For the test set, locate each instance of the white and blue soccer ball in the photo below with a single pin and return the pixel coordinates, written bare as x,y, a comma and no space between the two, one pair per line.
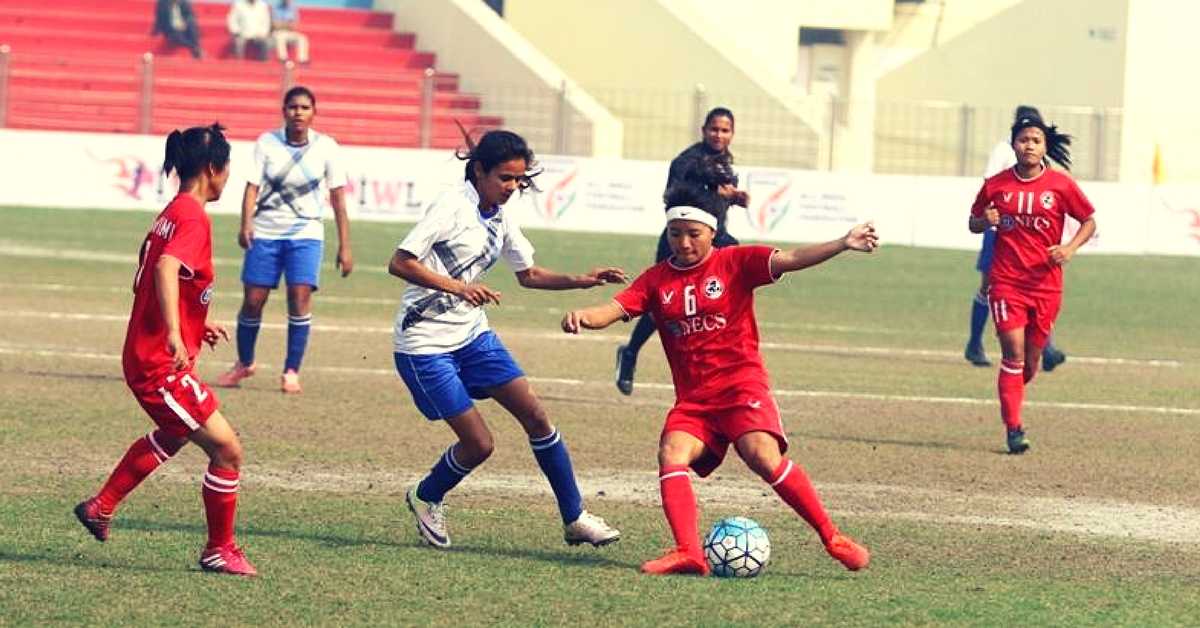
737,547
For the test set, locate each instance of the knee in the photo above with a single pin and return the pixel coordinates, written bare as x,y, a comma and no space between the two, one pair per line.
474,451
670,455
227,456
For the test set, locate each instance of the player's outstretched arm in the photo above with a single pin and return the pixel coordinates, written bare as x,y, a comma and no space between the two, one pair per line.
406,266
860,238
595,317
538,278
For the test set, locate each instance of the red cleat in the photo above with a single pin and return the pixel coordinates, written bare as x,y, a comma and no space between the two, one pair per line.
96,522
227,559
678,561
851,555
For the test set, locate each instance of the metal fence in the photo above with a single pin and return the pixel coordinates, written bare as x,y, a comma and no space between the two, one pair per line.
928,138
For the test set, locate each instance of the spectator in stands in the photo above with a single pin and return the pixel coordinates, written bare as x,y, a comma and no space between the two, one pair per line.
706,165
285,20
249,21
175,20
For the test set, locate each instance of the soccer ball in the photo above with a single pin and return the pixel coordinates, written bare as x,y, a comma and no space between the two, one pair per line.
737,547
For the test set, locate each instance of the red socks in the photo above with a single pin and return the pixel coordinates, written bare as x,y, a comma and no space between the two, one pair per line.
220,505
792,484
141,459
679,505
1011,386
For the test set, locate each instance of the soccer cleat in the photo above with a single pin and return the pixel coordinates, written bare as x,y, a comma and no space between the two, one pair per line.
1052,358
96,522
678,561
975,355
431,519
1017,443
234,376
227,559
626,364
589,528
290,382
851,555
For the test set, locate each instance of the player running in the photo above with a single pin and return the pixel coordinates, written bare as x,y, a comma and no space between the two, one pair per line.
1028,205
172,289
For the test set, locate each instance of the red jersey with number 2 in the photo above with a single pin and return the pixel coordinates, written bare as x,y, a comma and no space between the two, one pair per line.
183,231
1032,218
705,319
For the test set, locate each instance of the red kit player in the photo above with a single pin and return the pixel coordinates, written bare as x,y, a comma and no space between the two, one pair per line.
169,324
702,302
1028,205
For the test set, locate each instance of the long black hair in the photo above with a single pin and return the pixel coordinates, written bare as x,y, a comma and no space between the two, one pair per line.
189,152
495,148
1058,145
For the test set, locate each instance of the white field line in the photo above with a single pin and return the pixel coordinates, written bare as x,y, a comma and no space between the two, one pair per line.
1083,517
8,349
604,338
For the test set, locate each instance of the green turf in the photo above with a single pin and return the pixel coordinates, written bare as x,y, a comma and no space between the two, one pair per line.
869,354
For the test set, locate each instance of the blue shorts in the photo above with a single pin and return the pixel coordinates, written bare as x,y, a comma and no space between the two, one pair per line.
444,384
299,260
986,252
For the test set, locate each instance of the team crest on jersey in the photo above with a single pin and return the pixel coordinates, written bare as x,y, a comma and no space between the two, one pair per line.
713,288
1047,199
206,296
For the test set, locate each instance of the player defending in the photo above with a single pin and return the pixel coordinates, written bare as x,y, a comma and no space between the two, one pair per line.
702,302
172,290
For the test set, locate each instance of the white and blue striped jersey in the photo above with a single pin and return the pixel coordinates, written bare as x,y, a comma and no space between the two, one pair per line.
456,240
291,198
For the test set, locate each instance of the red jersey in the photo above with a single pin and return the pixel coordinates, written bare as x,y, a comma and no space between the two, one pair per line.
705,319
1032,217
183,231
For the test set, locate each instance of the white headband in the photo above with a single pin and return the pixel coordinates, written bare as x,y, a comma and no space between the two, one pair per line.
684,212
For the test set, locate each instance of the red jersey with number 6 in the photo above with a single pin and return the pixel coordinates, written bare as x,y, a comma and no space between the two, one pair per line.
705,319
1032,218
183,231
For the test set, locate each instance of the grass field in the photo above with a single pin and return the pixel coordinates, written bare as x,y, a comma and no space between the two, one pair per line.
1098,525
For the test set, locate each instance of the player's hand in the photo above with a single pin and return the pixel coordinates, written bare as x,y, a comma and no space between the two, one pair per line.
992,215
214,333
345,261
179,358
862,237
602,276
1060,255
478,294
571,321
246,237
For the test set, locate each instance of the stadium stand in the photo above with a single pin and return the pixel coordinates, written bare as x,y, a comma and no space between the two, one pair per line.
81,65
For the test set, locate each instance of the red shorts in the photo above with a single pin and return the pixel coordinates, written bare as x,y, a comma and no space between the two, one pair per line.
1035,312
180,405
721,423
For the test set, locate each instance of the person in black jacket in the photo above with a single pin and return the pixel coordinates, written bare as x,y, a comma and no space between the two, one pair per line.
708,165
175,20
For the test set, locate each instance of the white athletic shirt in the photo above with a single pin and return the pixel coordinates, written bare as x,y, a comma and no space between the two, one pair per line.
291,197
455,240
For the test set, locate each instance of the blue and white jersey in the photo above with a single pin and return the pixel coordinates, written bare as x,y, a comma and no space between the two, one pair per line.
291,197
456,240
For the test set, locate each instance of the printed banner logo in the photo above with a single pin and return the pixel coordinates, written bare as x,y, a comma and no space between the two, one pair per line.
774,188
559,198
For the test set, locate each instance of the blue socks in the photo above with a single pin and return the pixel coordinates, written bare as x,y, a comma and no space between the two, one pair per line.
552,456
443,477
979,318
297,341
247,337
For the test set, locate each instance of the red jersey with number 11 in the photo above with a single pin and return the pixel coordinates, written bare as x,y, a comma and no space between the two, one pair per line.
1032,217
705,319
183,231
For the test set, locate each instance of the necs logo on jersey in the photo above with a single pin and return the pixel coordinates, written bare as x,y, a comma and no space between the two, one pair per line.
693,320
1024,216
